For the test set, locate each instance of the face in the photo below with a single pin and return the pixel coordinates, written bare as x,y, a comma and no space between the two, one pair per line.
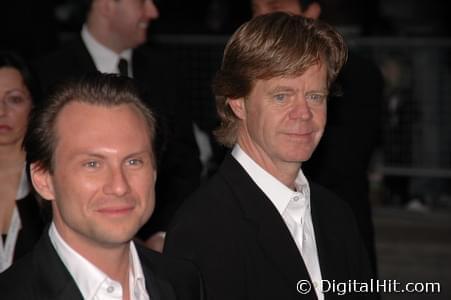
129,21
102,187
283,119
261,7
15,106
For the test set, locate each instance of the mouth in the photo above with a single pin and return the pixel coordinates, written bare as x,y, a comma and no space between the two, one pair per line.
114,211
303,137
5,128
299,134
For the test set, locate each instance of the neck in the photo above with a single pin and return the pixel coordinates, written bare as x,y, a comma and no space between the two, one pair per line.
285,172
100,254
11,157
104,37
102,258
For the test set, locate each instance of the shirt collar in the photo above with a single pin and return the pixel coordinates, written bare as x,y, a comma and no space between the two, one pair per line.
137,279
105,59
276,191
24,187
87,276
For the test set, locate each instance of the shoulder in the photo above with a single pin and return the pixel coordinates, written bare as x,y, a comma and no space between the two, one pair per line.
71,59
155,56
181,274
16,282
328,206
62,54
210,204
324,196
162,264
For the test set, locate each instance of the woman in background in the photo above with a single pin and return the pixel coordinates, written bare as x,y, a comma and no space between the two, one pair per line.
20,218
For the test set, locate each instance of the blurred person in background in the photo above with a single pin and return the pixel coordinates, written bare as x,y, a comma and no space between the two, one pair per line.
112,40
20,215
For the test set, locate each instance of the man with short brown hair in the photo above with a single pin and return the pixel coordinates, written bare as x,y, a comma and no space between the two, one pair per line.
259,229
113,40
90,150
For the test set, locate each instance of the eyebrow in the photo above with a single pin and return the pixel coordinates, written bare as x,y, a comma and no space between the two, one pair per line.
282,88
15,90
102,156
149,152
322,91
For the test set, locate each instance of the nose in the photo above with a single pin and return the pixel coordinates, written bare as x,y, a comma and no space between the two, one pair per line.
151,10
301,110
117,182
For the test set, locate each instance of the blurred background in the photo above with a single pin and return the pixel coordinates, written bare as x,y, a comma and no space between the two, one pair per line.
410,42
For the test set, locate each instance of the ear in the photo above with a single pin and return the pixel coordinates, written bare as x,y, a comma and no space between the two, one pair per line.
42,182
238,107
313,11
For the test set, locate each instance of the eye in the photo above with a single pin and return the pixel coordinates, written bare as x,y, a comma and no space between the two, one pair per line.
15,100
316,98
92,164
280,97
135,162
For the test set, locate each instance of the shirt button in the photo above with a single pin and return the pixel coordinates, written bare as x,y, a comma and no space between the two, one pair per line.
296,198
110,289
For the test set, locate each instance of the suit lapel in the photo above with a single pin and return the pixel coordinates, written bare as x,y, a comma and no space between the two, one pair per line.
82,62
156,288
270,229
326,238
54,281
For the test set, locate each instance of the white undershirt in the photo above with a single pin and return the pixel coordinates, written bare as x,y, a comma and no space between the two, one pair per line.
105,59
91,281
280,195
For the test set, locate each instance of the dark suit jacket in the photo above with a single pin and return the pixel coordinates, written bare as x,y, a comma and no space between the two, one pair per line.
42,275
243,248
32,225
178,156
353,132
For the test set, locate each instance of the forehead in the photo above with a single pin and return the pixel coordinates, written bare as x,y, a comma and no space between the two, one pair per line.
292,6
90,124
314,77
10,77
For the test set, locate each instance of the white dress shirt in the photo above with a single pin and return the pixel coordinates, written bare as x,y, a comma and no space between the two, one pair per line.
91,281
8,246
105,59
280,195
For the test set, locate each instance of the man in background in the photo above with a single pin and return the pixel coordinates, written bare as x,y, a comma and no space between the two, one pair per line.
112,41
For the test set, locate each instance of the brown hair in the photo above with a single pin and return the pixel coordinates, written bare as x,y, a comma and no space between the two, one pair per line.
96,89
268,46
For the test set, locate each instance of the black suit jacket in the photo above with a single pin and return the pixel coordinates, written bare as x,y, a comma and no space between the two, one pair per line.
353,131
243,248
178,156
32,225
42,275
